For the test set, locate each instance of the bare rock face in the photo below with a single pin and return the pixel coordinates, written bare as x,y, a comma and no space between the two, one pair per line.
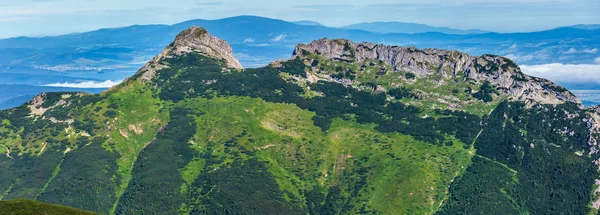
593,124
35,105
37,109
194,39
197,39
501,72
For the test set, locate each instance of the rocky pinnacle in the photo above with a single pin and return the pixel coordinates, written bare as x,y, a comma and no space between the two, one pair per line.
194,39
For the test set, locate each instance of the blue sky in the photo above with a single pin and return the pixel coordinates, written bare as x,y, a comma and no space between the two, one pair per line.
52,17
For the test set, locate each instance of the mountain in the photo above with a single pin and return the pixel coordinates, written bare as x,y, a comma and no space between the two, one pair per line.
25,207
407,28
583,26
308,22
338,128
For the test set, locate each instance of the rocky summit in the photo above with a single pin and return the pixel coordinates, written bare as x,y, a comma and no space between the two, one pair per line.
339,128
501,72
195,39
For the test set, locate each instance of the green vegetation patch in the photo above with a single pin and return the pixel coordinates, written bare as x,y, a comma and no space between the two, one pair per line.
245,187
34,173
294,67
156,182
131,118
86,179
486,187
543,163
486,92
24,176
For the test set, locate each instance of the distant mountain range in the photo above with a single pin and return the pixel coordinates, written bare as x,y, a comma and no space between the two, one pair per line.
308,22
586,26
408,28
258,40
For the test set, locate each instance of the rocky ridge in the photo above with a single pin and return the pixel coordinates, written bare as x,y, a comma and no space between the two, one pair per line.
194,39
501,72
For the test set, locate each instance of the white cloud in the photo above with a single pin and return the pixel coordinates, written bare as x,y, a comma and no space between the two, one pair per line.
86,84
249,40
520,58
541,44
571,51
591,51
279,38
597,60
587,51
263,45
543,55
565,73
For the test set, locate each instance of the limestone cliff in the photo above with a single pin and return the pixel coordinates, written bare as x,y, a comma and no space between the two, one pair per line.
194,39
501,72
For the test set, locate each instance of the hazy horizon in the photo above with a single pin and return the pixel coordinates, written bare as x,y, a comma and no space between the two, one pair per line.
292,21
41,17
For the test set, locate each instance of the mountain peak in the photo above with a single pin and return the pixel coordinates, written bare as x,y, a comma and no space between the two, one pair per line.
194,39
197,39
192,32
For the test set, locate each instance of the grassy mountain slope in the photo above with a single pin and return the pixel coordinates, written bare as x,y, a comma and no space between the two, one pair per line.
316,134
25,207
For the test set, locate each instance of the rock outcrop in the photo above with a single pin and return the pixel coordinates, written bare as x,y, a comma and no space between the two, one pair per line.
503,73
194,39
593,124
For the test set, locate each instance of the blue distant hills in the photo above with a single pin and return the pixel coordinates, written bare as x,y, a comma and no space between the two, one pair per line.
586,26
408,28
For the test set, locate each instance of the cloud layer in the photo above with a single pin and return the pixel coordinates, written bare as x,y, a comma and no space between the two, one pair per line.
565,73
86,84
